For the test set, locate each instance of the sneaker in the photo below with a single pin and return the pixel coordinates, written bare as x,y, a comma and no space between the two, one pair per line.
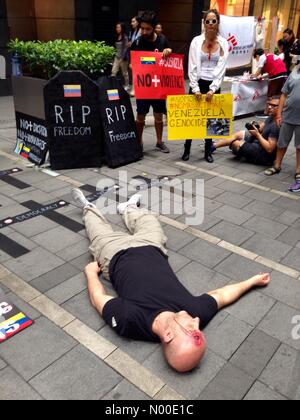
295,188
161,147
135,201
80,199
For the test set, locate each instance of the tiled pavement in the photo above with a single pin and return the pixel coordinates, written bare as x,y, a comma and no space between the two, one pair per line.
251,225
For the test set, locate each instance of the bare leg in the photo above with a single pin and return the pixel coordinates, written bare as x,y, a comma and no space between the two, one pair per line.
233,293
159,127
140,125
298,162
279,158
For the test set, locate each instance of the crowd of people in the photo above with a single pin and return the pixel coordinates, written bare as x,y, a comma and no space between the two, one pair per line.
262,144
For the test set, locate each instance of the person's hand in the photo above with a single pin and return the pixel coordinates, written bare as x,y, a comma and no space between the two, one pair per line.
209,96
278,120
198,96
93,268
166,52
254,133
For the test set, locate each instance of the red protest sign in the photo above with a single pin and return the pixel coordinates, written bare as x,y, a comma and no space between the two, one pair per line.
155,77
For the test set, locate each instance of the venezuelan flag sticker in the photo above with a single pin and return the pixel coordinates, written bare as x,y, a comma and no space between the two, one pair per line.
113,95
148,60
72,91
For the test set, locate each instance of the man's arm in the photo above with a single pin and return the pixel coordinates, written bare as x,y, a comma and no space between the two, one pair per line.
232,293
282,102
268,145
97,292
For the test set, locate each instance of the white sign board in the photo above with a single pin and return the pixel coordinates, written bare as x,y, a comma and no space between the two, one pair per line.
240,33
2,67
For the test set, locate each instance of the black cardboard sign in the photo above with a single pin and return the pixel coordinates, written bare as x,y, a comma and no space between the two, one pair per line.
32,138
73,119
119,128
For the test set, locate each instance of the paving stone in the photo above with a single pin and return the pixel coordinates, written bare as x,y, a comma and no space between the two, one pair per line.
288,218
23,306
188,385
54,278
34,226
285,204
283,373
284,289
234,187
267,247
81,262
5,201
292,259
68,289
56,239
239,268
232,215
234,200
11,211
244,308
225,338
265,226
212,192
51,184
33,265
125,391
36,195
263,209
209,222
14,388
255,353
260,392
230,384
204,253
139,351
264,196
91,379
199,279
81,307
231,233
291,236
177,239
2,364
177,261
278,324
74,251
36,348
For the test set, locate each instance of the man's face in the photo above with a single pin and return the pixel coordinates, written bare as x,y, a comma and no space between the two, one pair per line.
187,326
147,31
273,107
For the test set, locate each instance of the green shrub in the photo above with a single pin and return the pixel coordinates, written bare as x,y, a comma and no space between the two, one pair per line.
47,59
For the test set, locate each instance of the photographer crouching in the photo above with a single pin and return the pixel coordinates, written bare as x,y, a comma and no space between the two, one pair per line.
257,145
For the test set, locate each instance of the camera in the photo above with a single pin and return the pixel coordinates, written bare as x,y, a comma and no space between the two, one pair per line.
252,126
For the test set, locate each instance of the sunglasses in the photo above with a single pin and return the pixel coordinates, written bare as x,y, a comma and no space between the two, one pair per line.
211,21
196,335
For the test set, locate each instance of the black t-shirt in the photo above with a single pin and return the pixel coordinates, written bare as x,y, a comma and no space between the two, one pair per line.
143,44
147,286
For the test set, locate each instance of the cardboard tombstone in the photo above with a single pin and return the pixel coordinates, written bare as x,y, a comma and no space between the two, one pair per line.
73,119
118,123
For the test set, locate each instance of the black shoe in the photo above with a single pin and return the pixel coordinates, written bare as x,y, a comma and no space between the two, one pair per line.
209,159
186,156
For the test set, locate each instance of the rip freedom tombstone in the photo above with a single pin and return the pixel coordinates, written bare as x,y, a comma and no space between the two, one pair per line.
32,138
119,128
73,120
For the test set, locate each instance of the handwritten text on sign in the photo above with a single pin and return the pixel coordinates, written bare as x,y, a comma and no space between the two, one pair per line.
192,119
155,77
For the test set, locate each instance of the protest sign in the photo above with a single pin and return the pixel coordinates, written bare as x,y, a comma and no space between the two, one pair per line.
189,118
240,34
32,138
155,77
73,119
118,123
12,321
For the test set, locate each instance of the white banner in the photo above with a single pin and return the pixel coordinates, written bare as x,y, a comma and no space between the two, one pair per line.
240,33
249,97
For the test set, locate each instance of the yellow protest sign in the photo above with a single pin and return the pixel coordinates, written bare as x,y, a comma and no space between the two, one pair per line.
189,118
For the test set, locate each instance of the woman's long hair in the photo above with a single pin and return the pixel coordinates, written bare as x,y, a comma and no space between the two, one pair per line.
123,27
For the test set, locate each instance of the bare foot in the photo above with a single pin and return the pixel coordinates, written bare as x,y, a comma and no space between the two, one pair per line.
261,280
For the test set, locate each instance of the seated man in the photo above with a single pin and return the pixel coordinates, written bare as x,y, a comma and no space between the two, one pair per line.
258,146
152,305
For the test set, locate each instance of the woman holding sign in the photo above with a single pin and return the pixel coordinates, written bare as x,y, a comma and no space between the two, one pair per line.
208,58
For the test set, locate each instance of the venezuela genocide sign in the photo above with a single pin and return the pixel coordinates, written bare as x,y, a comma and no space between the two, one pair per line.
73,118
189,118
156,77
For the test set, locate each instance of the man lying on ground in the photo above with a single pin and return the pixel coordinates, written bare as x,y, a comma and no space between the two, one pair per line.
258,145
152,305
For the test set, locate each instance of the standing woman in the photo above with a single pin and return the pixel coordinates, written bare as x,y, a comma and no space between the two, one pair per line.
121,62
135,32
208,59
